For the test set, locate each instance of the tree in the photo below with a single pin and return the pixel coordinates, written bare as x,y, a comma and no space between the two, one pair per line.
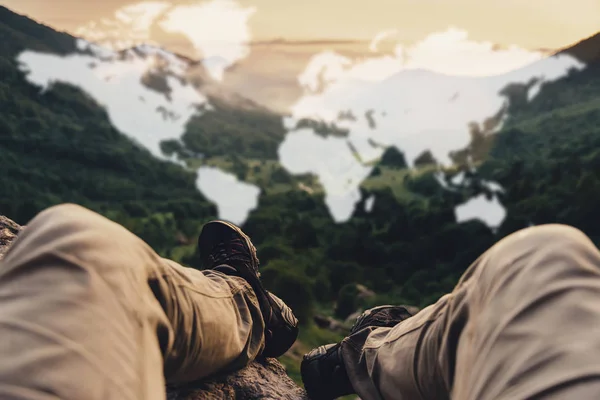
424,159
393,158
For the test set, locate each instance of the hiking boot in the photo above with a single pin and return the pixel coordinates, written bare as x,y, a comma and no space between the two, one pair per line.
323,370
224,247
324,374
382,316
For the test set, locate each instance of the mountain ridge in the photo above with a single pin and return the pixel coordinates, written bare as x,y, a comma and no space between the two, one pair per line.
61,42
586,50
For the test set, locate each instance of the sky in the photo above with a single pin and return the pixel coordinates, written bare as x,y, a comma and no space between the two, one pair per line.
532,24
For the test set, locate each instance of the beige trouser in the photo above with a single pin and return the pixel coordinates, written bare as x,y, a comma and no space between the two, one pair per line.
522,323
88,311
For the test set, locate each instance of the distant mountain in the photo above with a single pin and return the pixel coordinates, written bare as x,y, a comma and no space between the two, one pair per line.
60,146
587,50
20,33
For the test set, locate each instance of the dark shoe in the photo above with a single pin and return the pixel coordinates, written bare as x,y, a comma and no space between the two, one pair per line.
224,247
324,374
323,371
383,316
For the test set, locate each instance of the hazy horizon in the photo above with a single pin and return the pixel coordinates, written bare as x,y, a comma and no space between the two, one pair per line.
534,25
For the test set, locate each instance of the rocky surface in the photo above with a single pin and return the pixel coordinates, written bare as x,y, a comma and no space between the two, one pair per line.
8,231
262,379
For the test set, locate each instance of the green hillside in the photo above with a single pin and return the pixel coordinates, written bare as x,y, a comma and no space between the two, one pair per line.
59,146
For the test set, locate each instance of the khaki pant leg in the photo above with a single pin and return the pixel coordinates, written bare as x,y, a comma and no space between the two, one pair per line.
80,317
523,322
533,326
399,363
216,320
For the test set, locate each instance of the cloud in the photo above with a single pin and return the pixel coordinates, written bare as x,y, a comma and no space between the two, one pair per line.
130,25
450,52
453,53
218,29
380,37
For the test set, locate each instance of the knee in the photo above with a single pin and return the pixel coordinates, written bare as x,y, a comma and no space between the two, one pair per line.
534,257
555,241
64,210
557,236
73,229
68,219
61,213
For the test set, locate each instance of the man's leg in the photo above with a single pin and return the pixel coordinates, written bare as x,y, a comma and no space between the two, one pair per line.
87,307
530,320
523,322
